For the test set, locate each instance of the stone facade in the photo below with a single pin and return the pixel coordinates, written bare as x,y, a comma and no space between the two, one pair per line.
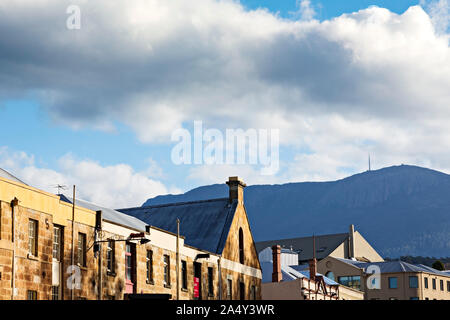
40,276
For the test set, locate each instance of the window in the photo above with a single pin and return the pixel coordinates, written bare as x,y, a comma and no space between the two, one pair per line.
448,286
330,275
210,282
393,283
150,266
351,281
414,298
413,282
166,271
82,249
183,275
230,289
253,293
33,237
434,284
441,285
111,257
241,246
31,295
55,293
426,283
130,268
57,242
241,291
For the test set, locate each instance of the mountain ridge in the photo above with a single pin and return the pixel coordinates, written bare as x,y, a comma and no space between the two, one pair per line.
409,203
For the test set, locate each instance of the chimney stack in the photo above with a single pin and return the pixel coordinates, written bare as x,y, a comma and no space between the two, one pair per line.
351,242
236,186
313,269
276,258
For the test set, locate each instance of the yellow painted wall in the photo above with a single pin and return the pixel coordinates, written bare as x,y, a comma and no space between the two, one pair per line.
39,200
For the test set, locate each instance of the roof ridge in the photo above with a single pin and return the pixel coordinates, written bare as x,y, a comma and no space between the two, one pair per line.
175,204
307,237
89,202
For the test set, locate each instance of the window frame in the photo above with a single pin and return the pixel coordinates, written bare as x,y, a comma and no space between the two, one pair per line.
32,295
149,267
82,249
184,272
416,283
166,267
111,257
241,246
230,289
425,282
58,243
389,282
210,281
33,237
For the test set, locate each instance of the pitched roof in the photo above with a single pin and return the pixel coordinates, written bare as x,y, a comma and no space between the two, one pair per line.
109,214
5,174
204,224
290,273
394,266
325,245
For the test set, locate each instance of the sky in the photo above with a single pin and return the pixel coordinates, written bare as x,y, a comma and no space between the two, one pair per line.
97,106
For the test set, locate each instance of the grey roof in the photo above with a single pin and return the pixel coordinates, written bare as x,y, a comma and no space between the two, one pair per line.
325,245
5,174
394,266
109,214
287,272
204,224
290,273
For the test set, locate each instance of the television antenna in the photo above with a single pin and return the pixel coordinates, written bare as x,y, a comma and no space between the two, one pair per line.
60,187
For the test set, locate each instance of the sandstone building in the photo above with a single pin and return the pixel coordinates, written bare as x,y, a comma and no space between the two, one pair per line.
51,249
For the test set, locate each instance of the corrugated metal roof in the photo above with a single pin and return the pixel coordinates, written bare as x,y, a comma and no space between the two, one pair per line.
394,266
325,245
204,224
109,214
290,273
5,174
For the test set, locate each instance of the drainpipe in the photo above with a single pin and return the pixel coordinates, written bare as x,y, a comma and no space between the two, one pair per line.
219,268
73,235
98,228
14,203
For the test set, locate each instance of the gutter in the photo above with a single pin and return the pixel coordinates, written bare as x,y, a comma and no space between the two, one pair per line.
14,203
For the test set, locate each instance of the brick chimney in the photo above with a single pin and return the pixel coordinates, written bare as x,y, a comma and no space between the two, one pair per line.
313,269
276,258
236,189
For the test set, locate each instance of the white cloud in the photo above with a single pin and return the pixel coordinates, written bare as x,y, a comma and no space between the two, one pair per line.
371,81
439,11
114,186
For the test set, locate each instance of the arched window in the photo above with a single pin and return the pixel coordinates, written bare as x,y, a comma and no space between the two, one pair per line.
330,275
241,246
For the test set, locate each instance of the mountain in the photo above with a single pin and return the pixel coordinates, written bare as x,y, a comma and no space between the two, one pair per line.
401,210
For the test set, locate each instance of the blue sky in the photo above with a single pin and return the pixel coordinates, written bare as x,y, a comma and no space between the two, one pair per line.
303,105
327,9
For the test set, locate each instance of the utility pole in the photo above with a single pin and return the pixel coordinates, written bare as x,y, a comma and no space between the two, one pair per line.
178,259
